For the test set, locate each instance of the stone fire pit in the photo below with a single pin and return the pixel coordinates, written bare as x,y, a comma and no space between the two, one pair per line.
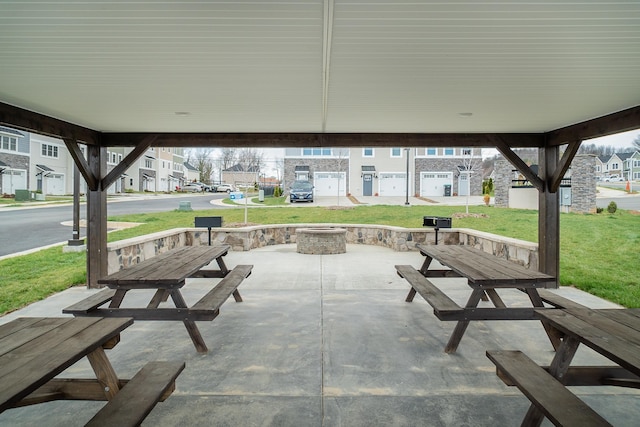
321,241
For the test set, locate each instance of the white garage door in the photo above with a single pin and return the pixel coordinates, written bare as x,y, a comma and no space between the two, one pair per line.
328,183
393,184
55,184
13,180
432,183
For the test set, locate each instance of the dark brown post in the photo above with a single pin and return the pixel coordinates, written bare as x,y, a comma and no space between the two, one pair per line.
548,215
96,217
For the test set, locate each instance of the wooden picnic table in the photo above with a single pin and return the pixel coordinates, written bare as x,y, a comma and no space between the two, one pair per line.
33,351
485,274
167,273
613,333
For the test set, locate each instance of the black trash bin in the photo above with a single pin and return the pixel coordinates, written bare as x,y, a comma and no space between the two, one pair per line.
447,190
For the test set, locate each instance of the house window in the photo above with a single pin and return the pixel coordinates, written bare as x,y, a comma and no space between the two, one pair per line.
114,158
466,151
148,164
368,152
448,151
9,143
396,152
317,151
431,151
49,150
614,166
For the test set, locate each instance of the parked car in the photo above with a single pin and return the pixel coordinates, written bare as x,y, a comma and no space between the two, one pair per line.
192,187
301,191
614,178
205,187
221,188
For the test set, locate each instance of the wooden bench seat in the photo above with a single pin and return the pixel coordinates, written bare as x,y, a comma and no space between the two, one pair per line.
152,384
443,307
557,300
222,291
90,303
550,396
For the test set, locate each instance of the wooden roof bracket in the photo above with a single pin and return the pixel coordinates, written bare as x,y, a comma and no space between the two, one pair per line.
563,166
516,161
139,149
81,163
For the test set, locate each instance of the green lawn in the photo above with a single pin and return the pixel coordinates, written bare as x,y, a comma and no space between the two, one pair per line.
599,253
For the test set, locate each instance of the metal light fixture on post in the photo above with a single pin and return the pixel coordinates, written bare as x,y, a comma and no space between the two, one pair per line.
406,202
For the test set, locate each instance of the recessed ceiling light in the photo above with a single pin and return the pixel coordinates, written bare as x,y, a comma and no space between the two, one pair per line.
465,114
182,113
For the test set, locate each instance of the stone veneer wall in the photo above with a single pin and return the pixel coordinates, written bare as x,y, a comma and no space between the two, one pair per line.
315,165
583,183
126,252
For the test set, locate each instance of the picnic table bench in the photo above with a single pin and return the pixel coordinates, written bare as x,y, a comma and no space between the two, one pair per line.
167,273
33,351
614,333
485,274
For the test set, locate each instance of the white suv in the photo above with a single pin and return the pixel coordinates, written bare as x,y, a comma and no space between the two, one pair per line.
614,178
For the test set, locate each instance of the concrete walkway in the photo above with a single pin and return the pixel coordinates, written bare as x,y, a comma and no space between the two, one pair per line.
327,340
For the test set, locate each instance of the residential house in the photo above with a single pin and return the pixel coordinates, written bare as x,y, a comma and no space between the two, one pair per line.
632,166
191,172
601,166
444,171
325,167
50,165
144,179
237,176
614,165
14,160
625,158
386,171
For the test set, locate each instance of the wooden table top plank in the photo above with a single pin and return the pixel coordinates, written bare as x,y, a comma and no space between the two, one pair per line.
616,322
16,325
612,343
482,268
629,316
168,268
31,365
26,330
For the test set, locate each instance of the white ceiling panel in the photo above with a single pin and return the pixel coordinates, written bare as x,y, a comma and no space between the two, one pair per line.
313,65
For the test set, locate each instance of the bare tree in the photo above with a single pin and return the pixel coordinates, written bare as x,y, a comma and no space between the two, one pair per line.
636,143
227,158
204,164
471,164
342,157
251,159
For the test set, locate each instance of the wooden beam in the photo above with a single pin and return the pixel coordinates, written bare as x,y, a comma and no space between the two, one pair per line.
563,166
622,121
279,140
96,218
29,121
548,216
516,161
81,163
140,148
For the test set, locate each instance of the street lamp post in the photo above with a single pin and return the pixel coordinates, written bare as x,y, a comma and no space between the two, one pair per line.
406,202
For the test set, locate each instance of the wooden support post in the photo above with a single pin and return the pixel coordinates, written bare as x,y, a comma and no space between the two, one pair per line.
96,217
548,215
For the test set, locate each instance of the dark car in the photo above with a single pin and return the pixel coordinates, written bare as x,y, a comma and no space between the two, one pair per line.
301,191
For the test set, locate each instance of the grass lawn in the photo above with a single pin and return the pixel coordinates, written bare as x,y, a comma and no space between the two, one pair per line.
599,253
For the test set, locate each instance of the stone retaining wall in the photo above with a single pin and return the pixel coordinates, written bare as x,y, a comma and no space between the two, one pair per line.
126,252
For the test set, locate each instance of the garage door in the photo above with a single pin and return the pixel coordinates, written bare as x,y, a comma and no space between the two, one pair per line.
328,183
13,180
432,183
393,184
54,184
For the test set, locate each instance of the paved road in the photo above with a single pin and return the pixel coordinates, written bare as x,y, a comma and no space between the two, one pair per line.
27,228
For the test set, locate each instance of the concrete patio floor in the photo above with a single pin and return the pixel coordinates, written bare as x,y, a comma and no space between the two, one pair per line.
327,340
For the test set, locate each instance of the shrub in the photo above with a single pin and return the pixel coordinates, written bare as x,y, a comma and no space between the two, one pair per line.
277,192
612,208
599,210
